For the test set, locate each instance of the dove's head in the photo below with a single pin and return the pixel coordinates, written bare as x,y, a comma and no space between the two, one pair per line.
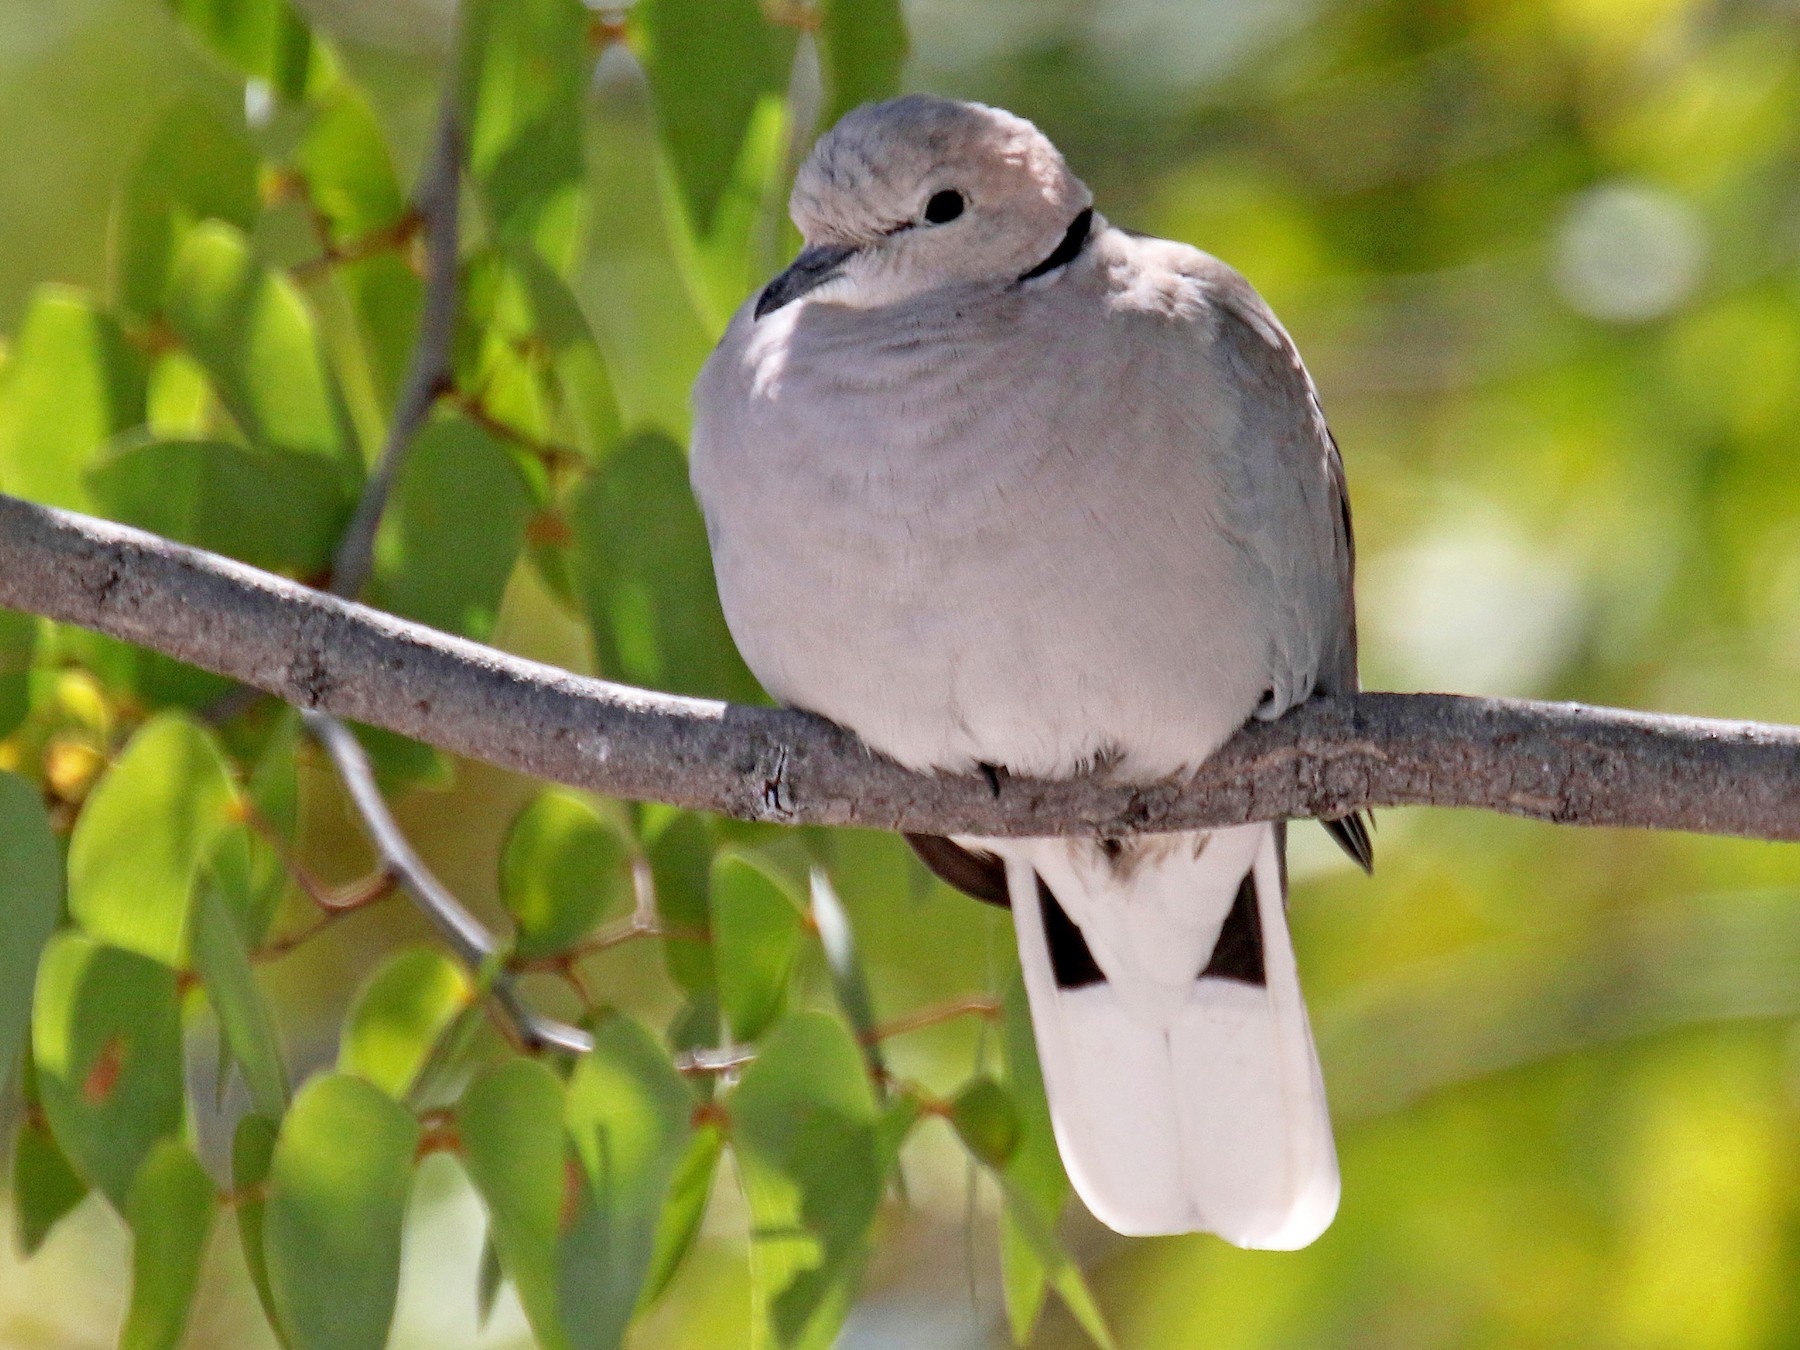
906,196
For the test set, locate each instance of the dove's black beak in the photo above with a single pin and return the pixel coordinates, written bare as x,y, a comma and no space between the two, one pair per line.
813,268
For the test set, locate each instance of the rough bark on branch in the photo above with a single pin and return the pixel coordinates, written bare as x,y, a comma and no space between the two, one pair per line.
1557,762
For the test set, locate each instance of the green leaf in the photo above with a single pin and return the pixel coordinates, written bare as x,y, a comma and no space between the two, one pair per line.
452,531
525,75
629,1116
862,47
71,383
44,1187
583,385
680,859
683,1211
248,867
832,923
718,73
805,1134
336,1206
106,1036
18,645
644,574
273,509
171,1211
252,1152
757,933
526,344
198,164
31,890
985,1117
1034,1175
513,1146
723,263
171,795
347,170
1060,1269
565,866
245,1023
264,39
251,329
489,1280
398,1016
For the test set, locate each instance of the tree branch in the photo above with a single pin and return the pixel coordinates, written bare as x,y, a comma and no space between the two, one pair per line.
428,373
1556,762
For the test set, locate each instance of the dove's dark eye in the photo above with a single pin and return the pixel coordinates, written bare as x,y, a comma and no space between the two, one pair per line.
943,207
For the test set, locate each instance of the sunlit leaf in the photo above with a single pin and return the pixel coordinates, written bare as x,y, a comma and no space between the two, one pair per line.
198,164
527,68
398,1016
644,574
31,890
251,330
344,164
264,39
513,1145
804,1132
106,1036
583,384
527,346
71,383
452,531
683,1211
171,1211
757,933
723,263
862,46
274,509
718,71
245,1023
336,1205
565,866
629,1116
170,793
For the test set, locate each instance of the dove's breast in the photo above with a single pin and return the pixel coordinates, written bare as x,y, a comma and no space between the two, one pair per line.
986,529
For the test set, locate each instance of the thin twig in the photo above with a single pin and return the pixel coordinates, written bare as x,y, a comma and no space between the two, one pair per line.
1550,761
473,944
986,1008
429,373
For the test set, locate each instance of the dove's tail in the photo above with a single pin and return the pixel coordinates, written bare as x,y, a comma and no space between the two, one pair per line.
1182,1102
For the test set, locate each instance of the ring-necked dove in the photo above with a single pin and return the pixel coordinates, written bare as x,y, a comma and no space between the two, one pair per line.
1000,486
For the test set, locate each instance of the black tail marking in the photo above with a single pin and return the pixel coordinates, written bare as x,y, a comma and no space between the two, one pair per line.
1351,833
1238,954
1070,960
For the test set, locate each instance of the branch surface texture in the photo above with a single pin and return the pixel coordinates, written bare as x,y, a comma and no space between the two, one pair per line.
1557,762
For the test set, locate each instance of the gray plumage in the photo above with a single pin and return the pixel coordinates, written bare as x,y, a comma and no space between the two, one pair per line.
985,513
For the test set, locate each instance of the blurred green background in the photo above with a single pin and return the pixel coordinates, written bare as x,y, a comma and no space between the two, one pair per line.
1543,258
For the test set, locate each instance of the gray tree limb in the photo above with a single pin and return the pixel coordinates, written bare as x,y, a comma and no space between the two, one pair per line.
428,372
1557,762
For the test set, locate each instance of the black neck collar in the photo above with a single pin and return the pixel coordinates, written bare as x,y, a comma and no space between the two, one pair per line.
1073,241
